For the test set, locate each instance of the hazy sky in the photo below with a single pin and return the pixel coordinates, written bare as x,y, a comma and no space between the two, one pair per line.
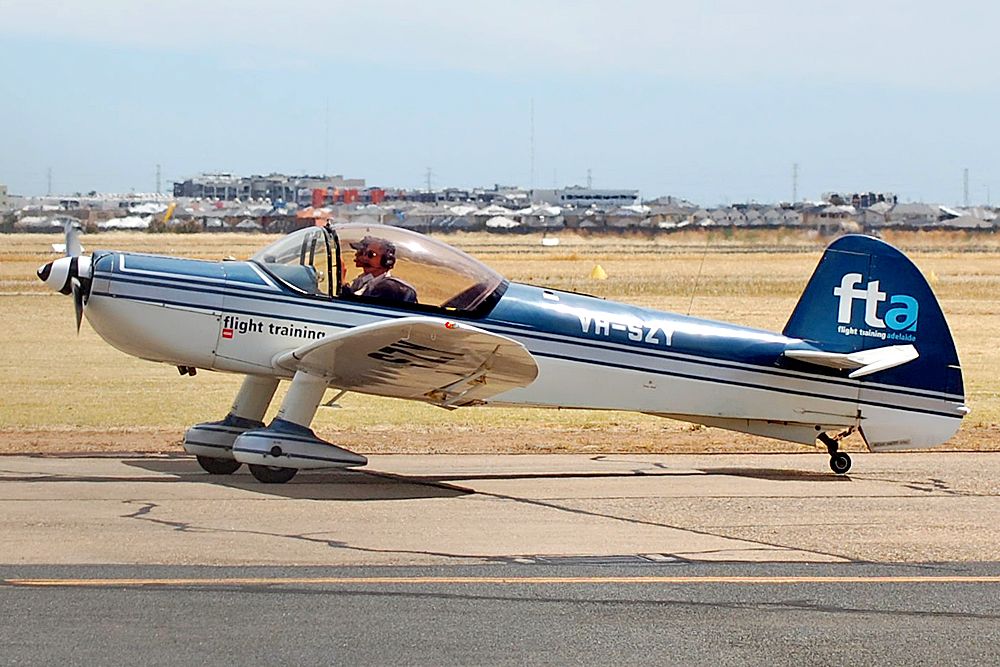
712,101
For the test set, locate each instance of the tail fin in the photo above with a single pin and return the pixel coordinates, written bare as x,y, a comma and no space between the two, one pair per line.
866,294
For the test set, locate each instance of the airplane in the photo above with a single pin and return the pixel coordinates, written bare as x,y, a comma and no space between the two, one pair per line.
866,349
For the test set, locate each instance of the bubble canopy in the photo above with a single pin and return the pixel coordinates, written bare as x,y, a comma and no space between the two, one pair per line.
442,277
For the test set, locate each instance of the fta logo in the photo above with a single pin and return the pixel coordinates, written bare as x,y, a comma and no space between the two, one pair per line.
901,315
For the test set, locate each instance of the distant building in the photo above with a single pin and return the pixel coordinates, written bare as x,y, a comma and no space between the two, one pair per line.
831,218
584,197
859,199
915,215
432,196
227,187
508,196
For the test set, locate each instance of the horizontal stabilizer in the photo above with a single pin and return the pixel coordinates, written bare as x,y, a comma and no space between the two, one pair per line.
865,362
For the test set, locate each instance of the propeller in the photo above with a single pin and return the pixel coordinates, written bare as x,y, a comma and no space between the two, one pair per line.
70,274
73,246
73,249
77,301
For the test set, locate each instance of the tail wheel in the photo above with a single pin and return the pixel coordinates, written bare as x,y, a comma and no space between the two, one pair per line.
215,466
840,463
271,474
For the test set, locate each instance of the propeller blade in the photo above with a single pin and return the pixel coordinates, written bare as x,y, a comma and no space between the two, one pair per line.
77,301
72,232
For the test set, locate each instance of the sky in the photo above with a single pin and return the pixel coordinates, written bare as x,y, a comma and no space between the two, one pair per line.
711,101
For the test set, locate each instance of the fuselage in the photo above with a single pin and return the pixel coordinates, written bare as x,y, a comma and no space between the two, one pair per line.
591,353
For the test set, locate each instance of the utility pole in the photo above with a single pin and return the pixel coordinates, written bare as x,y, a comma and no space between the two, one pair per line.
428,180
590,180
157,179
531,178
48,190
965,187
795,182
326,138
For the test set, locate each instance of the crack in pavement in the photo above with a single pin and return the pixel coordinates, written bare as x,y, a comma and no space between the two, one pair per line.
631,520
145,511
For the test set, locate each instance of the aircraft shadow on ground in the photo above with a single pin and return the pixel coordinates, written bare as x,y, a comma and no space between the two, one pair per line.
769,474
368,484
772,475
336,484
778,475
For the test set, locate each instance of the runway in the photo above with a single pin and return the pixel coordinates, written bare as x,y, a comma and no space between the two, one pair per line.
681,613
715,559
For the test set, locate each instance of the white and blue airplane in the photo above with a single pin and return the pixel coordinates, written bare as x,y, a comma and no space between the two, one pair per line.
866,349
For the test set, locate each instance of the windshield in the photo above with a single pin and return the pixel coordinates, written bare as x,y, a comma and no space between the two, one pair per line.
301,259
380,263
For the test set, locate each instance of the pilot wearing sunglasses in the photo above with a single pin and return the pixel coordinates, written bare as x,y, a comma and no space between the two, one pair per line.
376,257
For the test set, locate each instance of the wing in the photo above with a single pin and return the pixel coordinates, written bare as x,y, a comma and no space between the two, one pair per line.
424,358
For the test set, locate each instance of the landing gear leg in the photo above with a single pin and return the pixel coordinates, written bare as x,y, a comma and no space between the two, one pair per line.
840,462
302,399
254,398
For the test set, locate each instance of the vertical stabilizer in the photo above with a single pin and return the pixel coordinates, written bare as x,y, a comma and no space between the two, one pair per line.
866,294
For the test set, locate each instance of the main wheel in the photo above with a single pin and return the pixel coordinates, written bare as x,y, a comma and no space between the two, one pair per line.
840,463
215,466
271,474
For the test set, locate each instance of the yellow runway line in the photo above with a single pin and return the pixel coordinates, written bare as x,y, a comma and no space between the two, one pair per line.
466,581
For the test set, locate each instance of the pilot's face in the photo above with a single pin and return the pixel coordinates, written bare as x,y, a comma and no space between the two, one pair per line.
369,257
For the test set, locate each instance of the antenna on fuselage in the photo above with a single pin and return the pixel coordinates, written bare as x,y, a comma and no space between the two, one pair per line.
697,278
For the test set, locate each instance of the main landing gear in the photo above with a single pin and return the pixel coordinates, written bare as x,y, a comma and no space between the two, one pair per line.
276,452
212,442
840,462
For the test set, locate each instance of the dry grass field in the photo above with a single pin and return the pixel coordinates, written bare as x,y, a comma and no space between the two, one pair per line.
67,393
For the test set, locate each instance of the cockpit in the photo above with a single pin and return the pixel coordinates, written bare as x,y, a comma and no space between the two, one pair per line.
382,264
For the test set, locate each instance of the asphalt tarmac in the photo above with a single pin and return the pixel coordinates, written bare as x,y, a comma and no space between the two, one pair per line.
717,559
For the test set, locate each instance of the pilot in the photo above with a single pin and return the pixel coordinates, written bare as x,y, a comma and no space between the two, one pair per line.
376,257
